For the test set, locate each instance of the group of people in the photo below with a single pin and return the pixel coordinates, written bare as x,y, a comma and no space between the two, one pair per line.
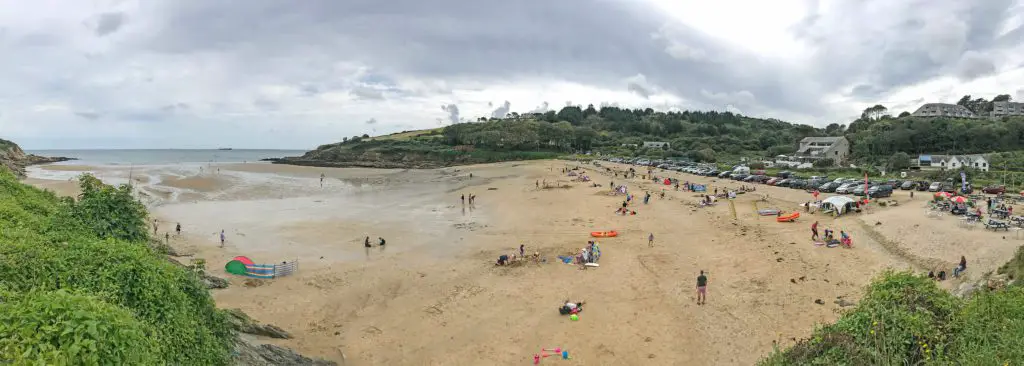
829,237
506,259
380,242
472,199
589,254
957,271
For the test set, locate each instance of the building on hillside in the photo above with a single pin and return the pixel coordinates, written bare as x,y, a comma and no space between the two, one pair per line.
952,162
943,110
657,144
817,148
1000,109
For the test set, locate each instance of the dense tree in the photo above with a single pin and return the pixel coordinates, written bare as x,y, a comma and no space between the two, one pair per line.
904,114
899,161
1001,98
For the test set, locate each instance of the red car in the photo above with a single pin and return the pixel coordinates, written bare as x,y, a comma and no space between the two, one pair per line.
994,189
772,181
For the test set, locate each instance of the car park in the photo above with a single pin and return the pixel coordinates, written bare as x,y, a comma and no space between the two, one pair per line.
883,190
908,185
935,187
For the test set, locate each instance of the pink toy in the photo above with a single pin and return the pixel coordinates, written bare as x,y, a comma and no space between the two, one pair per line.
536,359
555,350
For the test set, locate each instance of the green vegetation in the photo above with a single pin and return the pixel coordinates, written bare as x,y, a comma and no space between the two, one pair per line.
79,285
905,319
704,136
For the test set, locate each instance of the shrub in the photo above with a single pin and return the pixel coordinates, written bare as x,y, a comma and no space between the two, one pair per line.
63,328
97,247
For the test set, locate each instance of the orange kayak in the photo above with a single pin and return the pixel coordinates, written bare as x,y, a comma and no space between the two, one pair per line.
788,218
604,234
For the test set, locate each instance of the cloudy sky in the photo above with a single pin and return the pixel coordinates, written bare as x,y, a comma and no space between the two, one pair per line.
295,74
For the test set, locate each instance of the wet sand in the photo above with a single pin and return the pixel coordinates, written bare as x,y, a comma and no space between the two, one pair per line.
433,295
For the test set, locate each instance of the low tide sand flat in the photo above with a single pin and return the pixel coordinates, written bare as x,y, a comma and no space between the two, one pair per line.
434,295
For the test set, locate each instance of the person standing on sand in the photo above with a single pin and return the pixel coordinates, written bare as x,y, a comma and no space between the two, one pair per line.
366,242
322,176
814,231
381,242
522,250
463,197
177,229
650,240
156,226
222,238
167,238
702,288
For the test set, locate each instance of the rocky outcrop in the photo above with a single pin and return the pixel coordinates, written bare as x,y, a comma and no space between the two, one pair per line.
244,324
15,159
249,353
211,282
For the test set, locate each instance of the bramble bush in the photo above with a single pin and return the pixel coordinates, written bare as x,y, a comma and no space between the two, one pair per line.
92,255
905,319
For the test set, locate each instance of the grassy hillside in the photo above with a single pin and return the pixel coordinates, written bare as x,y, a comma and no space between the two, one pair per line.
905,319
79,285
706,136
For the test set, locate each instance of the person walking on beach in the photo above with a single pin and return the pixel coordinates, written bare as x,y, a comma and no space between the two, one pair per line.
814,231
522,250
463,197
177,229
322,176
156,226
366,243
167,238
702,288
222,238
650,240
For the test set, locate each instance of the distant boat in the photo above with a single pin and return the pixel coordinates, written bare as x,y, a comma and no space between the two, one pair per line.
224,149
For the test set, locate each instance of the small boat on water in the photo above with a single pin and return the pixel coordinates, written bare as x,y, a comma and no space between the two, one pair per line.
224,149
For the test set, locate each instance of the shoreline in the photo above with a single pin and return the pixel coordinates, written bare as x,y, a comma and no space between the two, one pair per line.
423,298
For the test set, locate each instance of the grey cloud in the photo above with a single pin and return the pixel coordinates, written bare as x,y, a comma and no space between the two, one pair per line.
88,115
502,110
175,107
453,113
309,90
108,23
371,121
365,92
638,85
265,104
904,44
974,65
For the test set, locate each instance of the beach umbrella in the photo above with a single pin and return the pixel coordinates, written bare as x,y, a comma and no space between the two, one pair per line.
959,199
943,194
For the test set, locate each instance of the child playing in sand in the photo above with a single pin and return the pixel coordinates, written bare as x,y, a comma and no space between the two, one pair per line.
650,240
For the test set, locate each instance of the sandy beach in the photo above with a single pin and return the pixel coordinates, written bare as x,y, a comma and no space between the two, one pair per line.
433,295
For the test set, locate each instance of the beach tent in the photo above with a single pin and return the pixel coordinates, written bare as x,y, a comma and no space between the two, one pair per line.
235,267
838,202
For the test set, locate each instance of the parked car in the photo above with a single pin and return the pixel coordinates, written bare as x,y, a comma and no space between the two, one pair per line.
725,174
785,174
783,182
995,189
750,178
844,188
740,176
859,189
948,187
883,190
935,187
828,187
923,185
772,181
798,184
908,185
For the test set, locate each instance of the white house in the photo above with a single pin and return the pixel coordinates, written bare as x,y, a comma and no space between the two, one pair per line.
816,148
953,162
657,144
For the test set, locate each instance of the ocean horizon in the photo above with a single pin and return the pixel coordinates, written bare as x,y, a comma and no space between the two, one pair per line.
163,156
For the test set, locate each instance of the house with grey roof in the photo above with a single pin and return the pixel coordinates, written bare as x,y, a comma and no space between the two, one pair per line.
1007,108
817,148
952,162
943,110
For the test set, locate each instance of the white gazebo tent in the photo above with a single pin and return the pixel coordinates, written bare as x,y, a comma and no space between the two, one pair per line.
837,203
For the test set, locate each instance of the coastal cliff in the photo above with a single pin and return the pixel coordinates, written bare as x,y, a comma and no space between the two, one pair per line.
15,159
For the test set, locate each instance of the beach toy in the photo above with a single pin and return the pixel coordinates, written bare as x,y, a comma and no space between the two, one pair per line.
768,212
604,234
574,317
565,355
536,359
555,350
